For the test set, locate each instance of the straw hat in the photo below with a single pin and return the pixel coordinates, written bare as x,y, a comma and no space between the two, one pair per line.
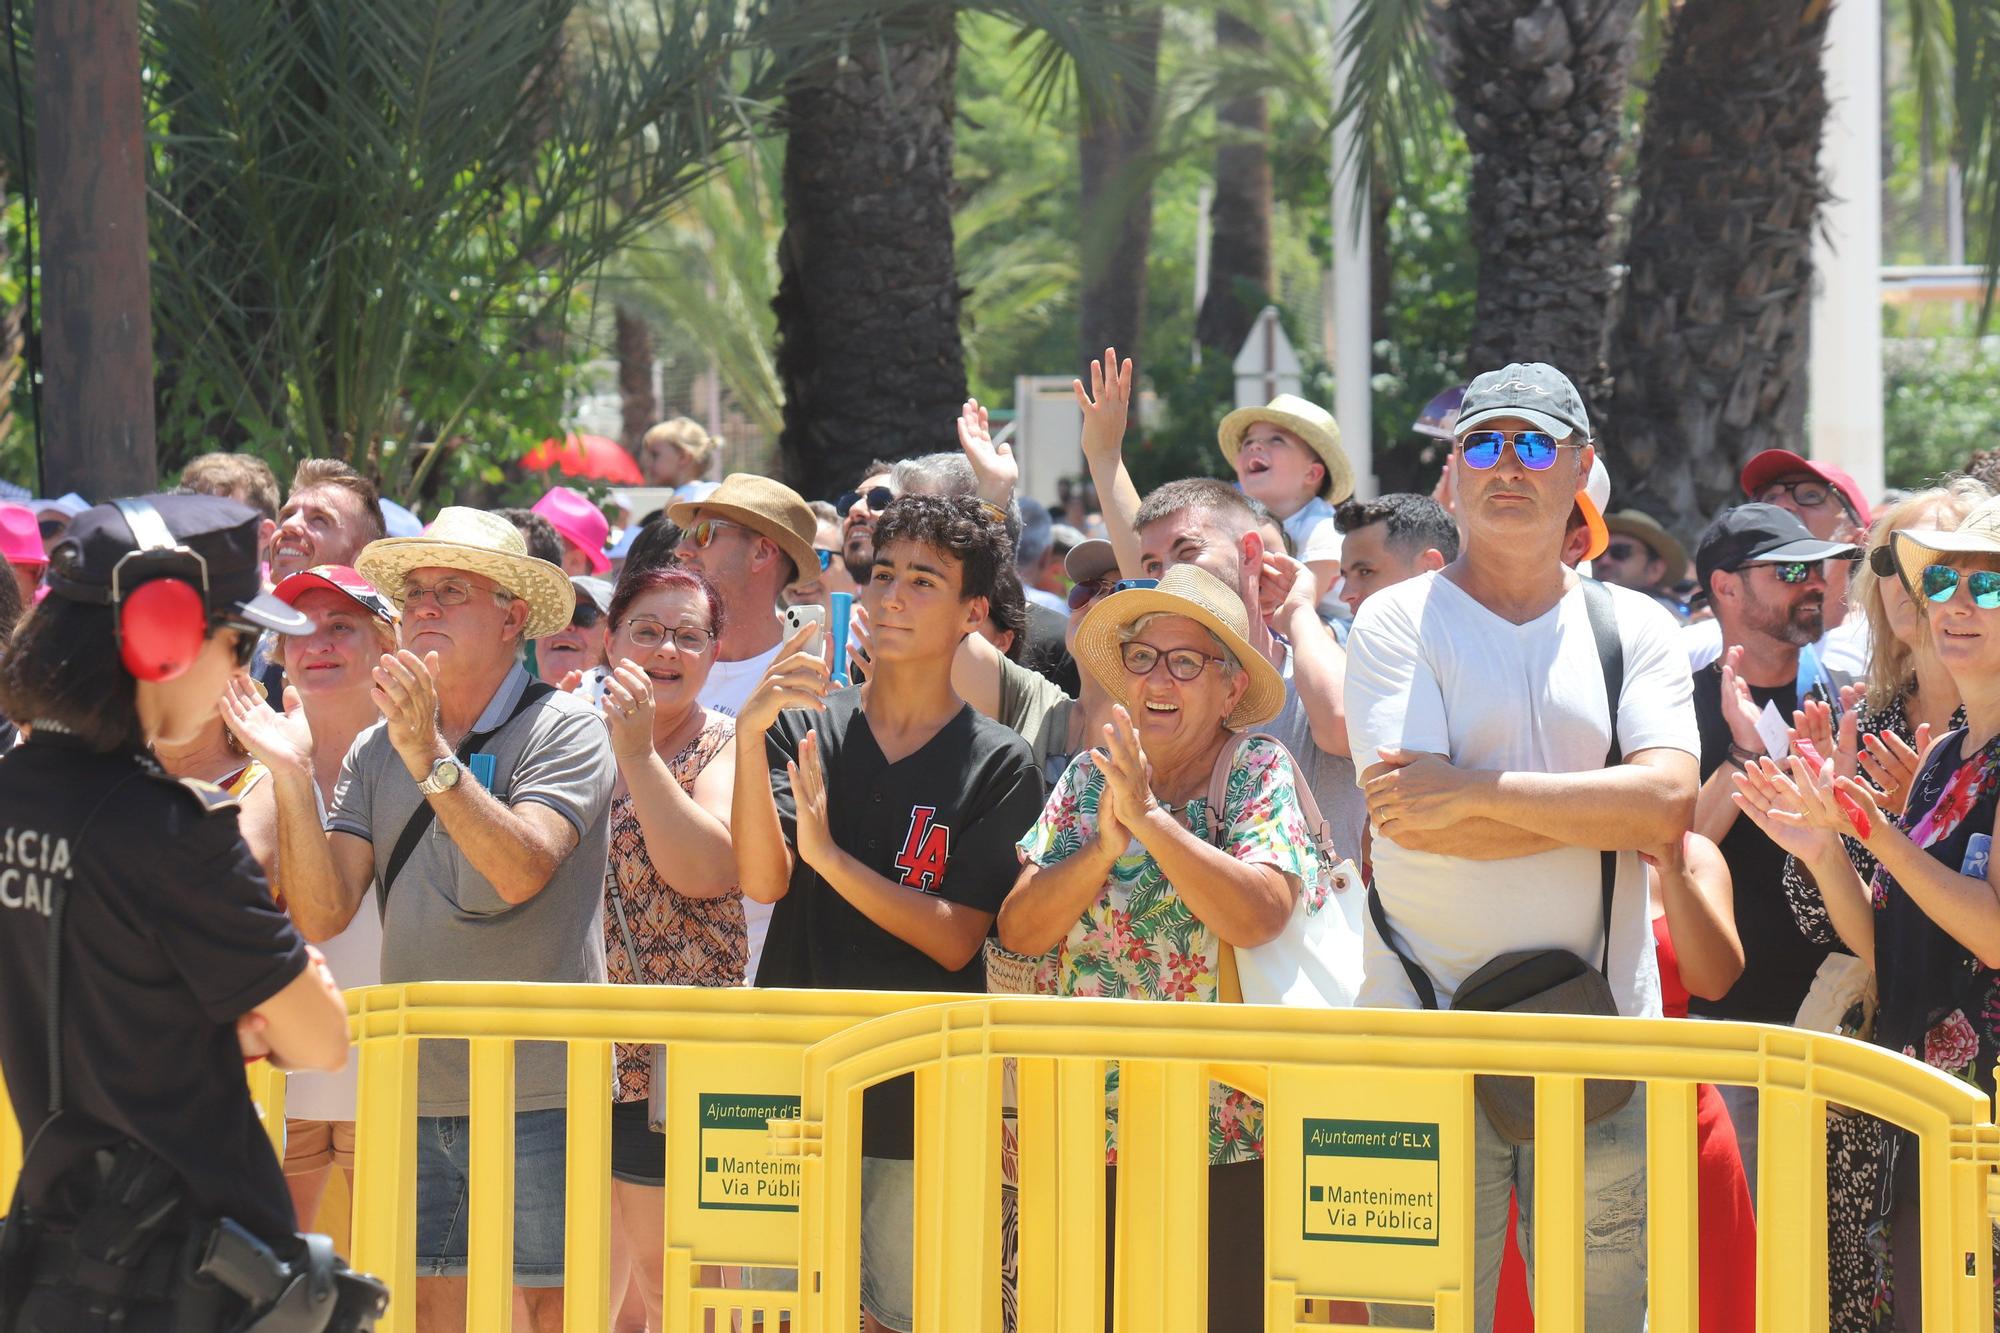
766,507
1310,422
1977,534
478,543
1184,590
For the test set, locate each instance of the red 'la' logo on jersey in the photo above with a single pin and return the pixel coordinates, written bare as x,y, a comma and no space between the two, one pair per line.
926,848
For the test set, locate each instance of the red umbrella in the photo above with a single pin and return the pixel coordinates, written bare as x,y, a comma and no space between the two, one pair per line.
592,456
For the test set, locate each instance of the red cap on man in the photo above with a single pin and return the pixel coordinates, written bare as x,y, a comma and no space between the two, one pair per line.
1767,467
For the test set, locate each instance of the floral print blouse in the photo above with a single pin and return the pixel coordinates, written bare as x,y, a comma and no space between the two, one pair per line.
1939,1003
1139,940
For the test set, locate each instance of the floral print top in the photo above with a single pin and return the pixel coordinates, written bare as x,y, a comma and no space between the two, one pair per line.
681,941
1939,1003
1140,941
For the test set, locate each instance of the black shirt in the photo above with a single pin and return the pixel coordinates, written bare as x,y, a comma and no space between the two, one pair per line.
1778,960
169,936
943,819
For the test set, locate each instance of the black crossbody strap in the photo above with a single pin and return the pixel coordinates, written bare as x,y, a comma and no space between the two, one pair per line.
1426,992
1611,660
421,818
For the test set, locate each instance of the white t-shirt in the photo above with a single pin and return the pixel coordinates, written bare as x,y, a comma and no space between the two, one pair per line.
727,688
1431,670
1316,537
1845,648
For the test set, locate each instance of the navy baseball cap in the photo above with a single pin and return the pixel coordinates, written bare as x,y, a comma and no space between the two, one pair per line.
209,540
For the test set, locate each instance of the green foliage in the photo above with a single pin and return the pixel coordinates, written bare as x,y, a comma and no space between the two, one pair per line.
1938,405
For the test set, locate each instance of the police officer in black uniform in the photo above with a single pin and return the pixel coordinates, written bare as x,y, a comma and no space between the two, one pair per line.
142,959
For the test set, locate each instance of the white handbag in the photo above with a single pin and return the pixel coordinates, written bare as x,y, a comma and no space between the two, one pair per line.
1315,961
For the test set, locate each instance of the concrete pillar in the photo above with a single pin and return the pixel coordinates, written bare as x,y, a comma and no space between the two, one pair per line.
1844,419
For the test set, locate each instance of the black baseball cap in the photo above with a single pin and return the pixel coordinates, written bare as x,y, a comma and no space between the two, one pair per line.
1760,534
209,540
1532,390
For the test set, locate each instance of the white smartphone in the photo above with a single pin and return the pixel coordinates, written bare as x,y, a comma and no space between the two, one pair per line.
797,617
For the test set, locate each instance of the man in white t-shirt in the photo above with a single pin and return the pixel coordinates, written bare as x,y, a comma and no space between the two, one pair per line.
751,537
1477,711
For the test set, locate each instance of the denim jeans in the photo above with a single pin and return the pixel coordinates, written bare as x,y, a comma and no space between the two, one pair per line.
1614,1227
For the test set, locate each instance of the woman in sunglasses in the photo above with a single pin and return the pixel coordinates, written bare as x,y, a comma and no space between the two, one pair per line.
1909,698
1928,920
1138,885
672,913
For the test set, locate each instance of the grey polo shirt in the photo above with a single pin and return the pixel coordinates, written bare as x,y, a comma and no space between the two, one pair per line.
442,920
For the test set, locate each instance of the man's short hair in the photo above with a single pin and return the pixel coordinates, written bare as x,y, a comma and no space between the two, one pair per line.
968,530
1416,523
934,474
242,477
544,542
1206,494
875,469
824,511
332,472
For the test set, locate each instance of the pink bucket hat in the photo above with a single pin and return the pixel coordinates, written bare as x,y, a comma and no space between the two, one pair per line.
580,522
21,536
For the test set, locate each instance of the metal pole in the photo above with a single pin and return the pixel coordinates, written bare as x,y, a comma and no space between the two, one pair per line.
1353,313
1846,389
97,327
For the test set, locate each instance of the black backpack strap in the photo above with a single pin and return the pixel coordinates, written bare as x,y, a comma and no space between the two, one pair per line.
1610,660
422,817
1426,992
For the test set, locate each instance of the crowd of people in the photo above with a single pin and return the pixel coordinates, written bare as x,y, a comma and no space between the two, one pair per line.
1156,751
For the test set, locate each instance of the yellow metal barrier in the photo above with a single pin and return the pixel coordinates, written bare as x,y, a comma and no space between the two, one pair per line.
764,1092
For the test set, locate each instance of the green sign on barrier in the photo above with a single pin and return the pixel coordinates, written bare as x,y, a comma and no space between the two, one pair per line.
1372,1181
738,1170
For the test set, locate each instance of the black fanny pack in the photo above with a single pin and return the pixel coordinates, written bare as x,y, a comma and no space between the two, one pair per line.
1542,981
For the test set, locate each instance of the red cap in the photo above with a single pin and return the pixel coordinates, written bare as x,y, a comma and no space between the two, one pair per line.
342,580
1767,467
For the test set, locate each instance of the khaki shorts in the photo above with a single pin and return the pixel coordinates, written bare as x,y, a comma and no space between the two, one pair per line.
314,1145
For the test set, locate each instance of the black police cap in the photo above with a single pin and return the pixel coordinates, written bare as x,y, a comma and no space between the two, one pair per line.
205,539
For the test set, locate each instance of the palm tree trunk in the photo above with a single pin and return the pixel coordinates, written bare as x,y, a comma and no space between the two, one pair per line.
1239,247
1116,202
868,300
639,407
1538,88
1709,351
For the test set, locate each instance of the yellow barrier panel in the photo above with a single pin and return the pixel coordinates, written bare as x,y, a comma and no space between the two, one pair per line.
1369,1168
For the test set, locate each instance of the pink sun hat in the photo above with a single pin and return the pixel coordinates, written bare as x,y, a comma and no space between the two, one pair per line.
581,523
21,536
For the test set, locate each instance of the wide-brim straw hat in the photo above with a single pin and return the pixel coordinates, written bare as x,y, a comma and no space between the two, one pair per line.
1310,422
480,543
1978,533
768,508
1184,590
1643,526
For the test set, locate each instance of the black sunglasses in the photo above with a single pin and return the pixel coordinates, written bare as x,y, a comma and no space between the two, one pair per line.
878,498
1882,560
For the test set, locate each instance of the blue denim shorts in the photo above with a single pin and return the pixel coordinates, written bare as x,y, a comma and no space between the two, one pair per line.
888,1239
444,1149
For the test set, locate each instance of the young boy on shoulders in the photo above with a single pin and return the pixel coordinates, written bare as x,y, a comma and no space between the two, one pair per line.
884,826
1288,456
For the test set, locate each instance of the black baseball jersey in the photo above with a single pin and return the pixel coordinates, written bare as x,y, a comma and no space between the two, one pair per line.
169,936
943,820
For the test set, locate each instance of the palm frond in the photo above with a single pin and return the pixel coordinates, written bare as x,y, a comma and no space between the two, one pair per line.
1387,89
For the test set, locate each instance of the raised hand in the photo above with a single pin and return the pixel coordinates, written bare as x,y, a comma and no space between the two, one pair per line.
994,466
814,833
1813,723
1284,585
406,695
628,710
1128,781
1106,405
1777,807
279,743
797,678
1891,763
1738,709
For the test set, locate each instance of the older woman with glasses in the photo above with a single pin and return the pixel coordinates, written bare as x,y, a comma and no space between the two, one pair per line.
1928,920
672,914
1139,885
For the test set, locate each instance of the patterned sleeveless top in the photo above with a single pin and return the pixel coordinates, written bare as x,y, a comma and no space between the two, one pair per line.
681,941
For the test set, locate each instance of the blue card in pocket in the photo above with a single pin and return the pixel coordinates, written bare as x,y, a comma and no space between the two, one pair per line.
482,766
1978,850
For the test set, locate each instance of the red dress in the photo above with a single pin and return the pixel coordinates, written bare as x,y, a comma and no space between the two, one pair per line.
1728,1241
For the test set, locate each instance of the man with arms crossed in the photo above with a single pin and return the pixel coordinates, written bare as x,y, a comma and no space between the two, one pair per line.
1477,710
